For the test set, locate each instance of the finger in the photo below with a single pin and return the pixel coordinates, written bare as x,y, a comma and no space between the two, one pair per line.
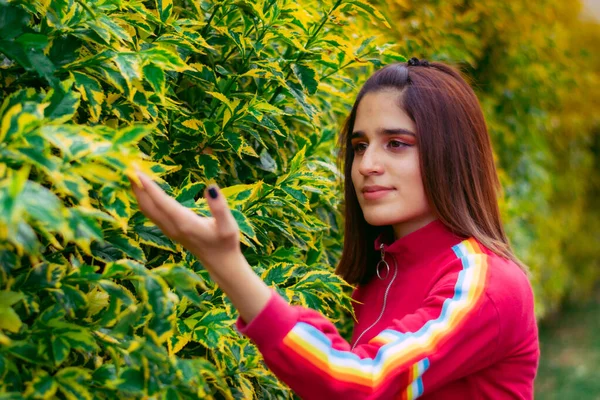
180,221
226,223
163,202
149,207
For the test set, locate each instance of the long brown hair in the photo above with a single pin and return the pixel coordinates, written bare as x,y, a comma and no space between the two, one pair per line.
457,165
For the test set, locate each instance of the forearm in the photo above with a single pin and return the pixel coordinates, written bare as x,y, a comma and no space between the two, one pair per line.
248,293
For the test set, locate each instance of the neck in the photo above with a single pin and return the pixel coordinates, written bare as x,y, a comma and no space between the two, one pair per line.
405,228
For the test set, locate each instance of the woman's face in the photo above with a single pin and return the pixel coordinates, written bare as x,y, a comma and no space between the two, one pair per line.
385,171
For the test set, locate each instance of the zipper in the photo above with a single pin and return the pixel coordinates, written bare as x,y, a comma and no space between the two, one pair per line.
382,248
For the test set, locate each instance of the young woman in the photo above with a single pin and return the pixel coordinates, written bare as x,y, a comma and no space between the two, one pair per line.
445,308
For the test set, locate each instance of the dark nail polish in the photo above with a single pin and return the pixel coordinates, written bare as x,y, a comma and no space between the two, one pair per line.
212,192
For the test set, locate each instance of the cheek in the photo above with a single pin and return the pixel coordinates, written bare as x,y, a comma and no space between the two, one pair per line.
409,179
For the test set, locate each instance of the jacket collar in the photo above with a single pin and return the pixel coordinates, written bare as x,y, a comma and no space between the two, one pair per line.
420,246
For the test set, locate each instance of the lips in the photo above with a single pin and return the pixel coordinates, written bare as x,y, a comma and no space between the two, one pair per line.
376,192
375,188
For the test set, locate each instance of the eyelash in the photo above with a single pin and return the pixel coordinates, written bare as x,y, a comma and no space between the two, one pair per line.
356,149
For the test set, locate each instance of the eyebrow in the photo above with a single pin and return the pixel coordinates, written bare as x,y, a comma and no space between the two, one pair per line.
394,131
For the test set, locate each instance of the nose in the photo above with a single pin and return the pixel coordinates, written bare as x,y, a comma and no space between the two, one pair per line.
370,162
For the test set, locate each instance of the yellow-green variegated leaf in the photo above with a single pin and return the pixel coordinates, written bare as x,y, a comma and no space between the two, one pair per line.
72,383
221,97
91,92
278,274
43,386
240,194
164,8
178,342
151,235
130,135
207,328
9,320
97,301
183,280
164,59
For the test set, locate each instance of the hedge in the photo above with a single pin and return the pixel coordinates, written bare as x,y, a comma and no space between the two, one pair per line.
95,302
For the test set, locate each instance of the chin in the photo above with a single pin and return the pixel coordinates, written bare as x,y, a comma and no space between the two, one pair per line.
381,220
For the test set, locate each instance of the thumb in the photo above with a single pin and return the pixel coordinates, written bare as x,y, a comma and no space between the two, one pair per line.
217,203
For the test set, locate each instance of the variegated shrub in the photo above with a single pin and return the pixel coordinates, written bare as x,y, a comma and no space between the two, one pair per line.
94,301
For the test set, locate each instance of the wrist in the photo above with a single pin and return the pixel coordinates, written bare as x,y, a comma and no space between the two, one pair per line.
248,293
227,267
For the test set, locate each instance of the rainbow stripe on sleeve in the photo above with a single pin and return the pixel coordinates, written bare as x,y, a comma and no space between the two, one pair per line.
400,352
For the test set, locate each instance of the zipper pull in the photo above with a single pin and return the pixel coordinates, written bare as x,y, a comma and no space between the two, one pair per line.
387,266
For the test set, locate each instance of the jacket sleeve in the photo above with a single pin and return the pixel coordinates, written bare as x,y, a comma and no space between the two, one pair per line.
453,333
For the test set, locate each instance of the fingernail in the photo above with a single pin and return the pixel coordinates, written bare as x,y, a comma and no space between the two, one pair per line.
212,192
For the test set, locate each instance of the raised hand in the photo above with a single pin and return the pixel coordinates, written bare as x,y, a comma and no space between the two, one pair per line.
211,239
214,240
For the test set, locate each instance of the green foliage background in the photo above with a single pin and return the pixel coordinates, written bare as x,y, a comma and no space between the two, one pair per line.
96,303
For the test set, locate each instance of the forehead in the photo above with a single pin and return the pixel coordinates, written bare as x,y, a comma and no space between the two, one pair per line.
381,110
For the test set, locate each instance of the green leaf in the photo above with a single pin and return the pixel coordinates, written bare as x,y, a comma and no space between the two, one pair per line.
164,59
33,41
371,10
297,195
62,105
187,194
13,20
244,224
239,194
130,135
115,29
9,319
80,339
43,206
156,294
25,238
73,298
279,273
207,328
91,91
151,235
8,298
27,352
101,30
209,164
126,245
129,66
221,97
97,300
43,386
164,7
72,383
155,76
307,77
183,280
19,119
83,226
60,349
302,100
131,380
119,292
105,374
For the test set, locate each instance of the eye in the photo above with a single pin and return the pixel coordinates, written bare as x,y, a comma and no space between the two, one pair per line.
359,148
397,144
